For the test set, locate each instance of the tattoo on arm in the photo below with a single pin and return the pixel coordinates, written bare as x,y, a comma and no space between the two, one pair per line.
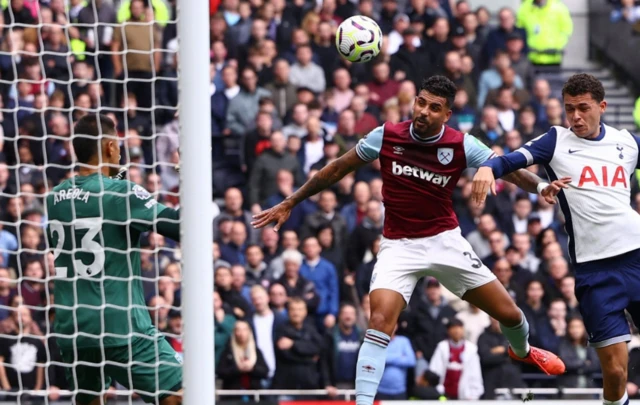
329,175
525,180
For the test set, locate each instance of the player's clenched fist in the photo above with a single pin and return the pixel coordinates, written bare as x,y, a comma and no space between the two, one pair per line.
278,214
482,182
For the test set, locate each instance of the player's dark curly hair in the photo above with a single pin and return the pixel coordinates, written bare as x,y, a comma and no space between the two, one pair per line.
584,83
87,133
440,86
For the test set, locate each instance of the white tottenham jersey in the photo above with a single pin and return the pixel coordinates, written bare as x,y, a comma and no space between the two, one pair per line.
599,218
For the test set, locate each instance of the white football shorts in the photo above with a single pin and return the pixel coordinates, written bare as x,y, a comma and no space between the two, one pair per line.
447,257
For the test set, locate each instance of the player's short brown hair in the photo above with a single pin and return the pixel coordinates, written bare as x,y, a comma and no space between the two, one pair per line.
88,132
583,83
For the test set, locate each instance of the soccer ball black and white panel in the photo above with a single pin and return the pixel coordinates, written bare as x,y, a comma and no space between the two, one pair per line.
359,39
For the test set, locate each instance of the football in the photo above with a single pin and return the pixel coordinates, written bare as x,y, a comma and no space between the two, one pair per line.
359,39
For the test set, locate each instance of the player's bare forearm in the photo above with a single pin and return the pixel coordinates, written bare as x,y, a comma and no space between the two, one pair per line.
329,175
524,179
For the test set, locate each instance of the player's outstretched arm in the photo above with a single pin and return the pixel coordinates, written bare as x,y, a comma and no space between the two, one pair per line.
329,175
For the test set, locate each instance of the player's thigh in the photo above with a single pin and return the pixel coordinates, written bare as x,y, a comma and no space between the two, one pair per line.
151,368
398,266
86,374
603,298
455,264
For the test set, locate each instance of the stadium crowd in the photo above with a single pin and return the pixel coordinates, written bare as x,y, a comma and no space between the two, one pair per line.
291,307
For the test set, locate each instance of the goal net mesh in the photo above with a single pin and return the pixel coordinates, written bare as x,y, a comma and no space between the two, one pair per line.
61,61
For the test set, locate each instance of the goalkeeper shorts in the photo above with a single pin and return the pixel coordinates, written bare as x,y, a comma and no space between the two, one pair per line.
152,369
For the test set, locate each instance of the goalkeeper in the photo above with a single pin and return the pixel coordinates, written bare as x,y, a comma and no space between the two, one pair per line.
102,324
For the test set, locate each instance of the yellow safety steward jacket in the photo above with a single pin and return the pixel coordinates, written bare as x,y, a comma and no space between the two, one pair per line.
548,30
160,11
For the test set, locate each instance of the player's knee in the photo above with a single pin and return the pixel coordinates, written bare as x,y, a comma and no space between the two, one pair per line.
615,372
381,322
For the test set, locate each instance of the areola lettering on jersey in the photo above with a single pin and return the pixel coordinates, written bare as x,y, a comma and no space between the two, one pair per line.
406,170
71,194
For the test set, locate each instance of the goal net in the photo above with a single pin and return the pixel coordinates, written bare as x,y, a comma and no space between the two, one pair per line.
61,61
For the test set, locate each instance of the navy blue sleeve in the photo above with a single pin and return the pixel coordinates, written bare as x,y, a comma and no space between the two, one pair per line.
637,139
537,151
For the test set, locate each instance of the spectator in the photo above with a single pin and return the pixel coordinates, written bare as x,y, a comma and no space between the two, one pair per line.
533,306
256,267
498,371
581,359
343,343
6,292
282,90
520,96
223,326
479,239
410,60
33,284
429,317
270,246
289,241
453,70
342,93
558,269
305,72
439,43
221,99
233,203
554,113
365,122
142,63
285,183
504,273
475,322
400,359
278,299
382,87
243,108
488,130
498,37
457,363
522,242
327,215
297,285
239,282
492,77
224,286
264,323
567,288
364,235
355,212
527,125
553,327
298,126
242,365
298,351
263,175
548,26
159,312
325,278
332,252
22,355
233,251
516,48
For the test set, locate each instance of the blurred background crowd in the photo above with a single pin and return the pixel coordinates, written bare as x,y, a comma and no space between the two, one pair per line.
291,307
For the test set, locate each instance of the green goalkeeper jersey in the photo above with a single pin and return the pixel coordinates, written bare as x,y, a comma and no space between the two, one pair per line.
94,230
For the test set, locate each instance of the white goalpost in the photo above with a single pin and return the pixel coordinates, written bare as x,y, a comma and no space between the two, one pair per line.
44,89
196,201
